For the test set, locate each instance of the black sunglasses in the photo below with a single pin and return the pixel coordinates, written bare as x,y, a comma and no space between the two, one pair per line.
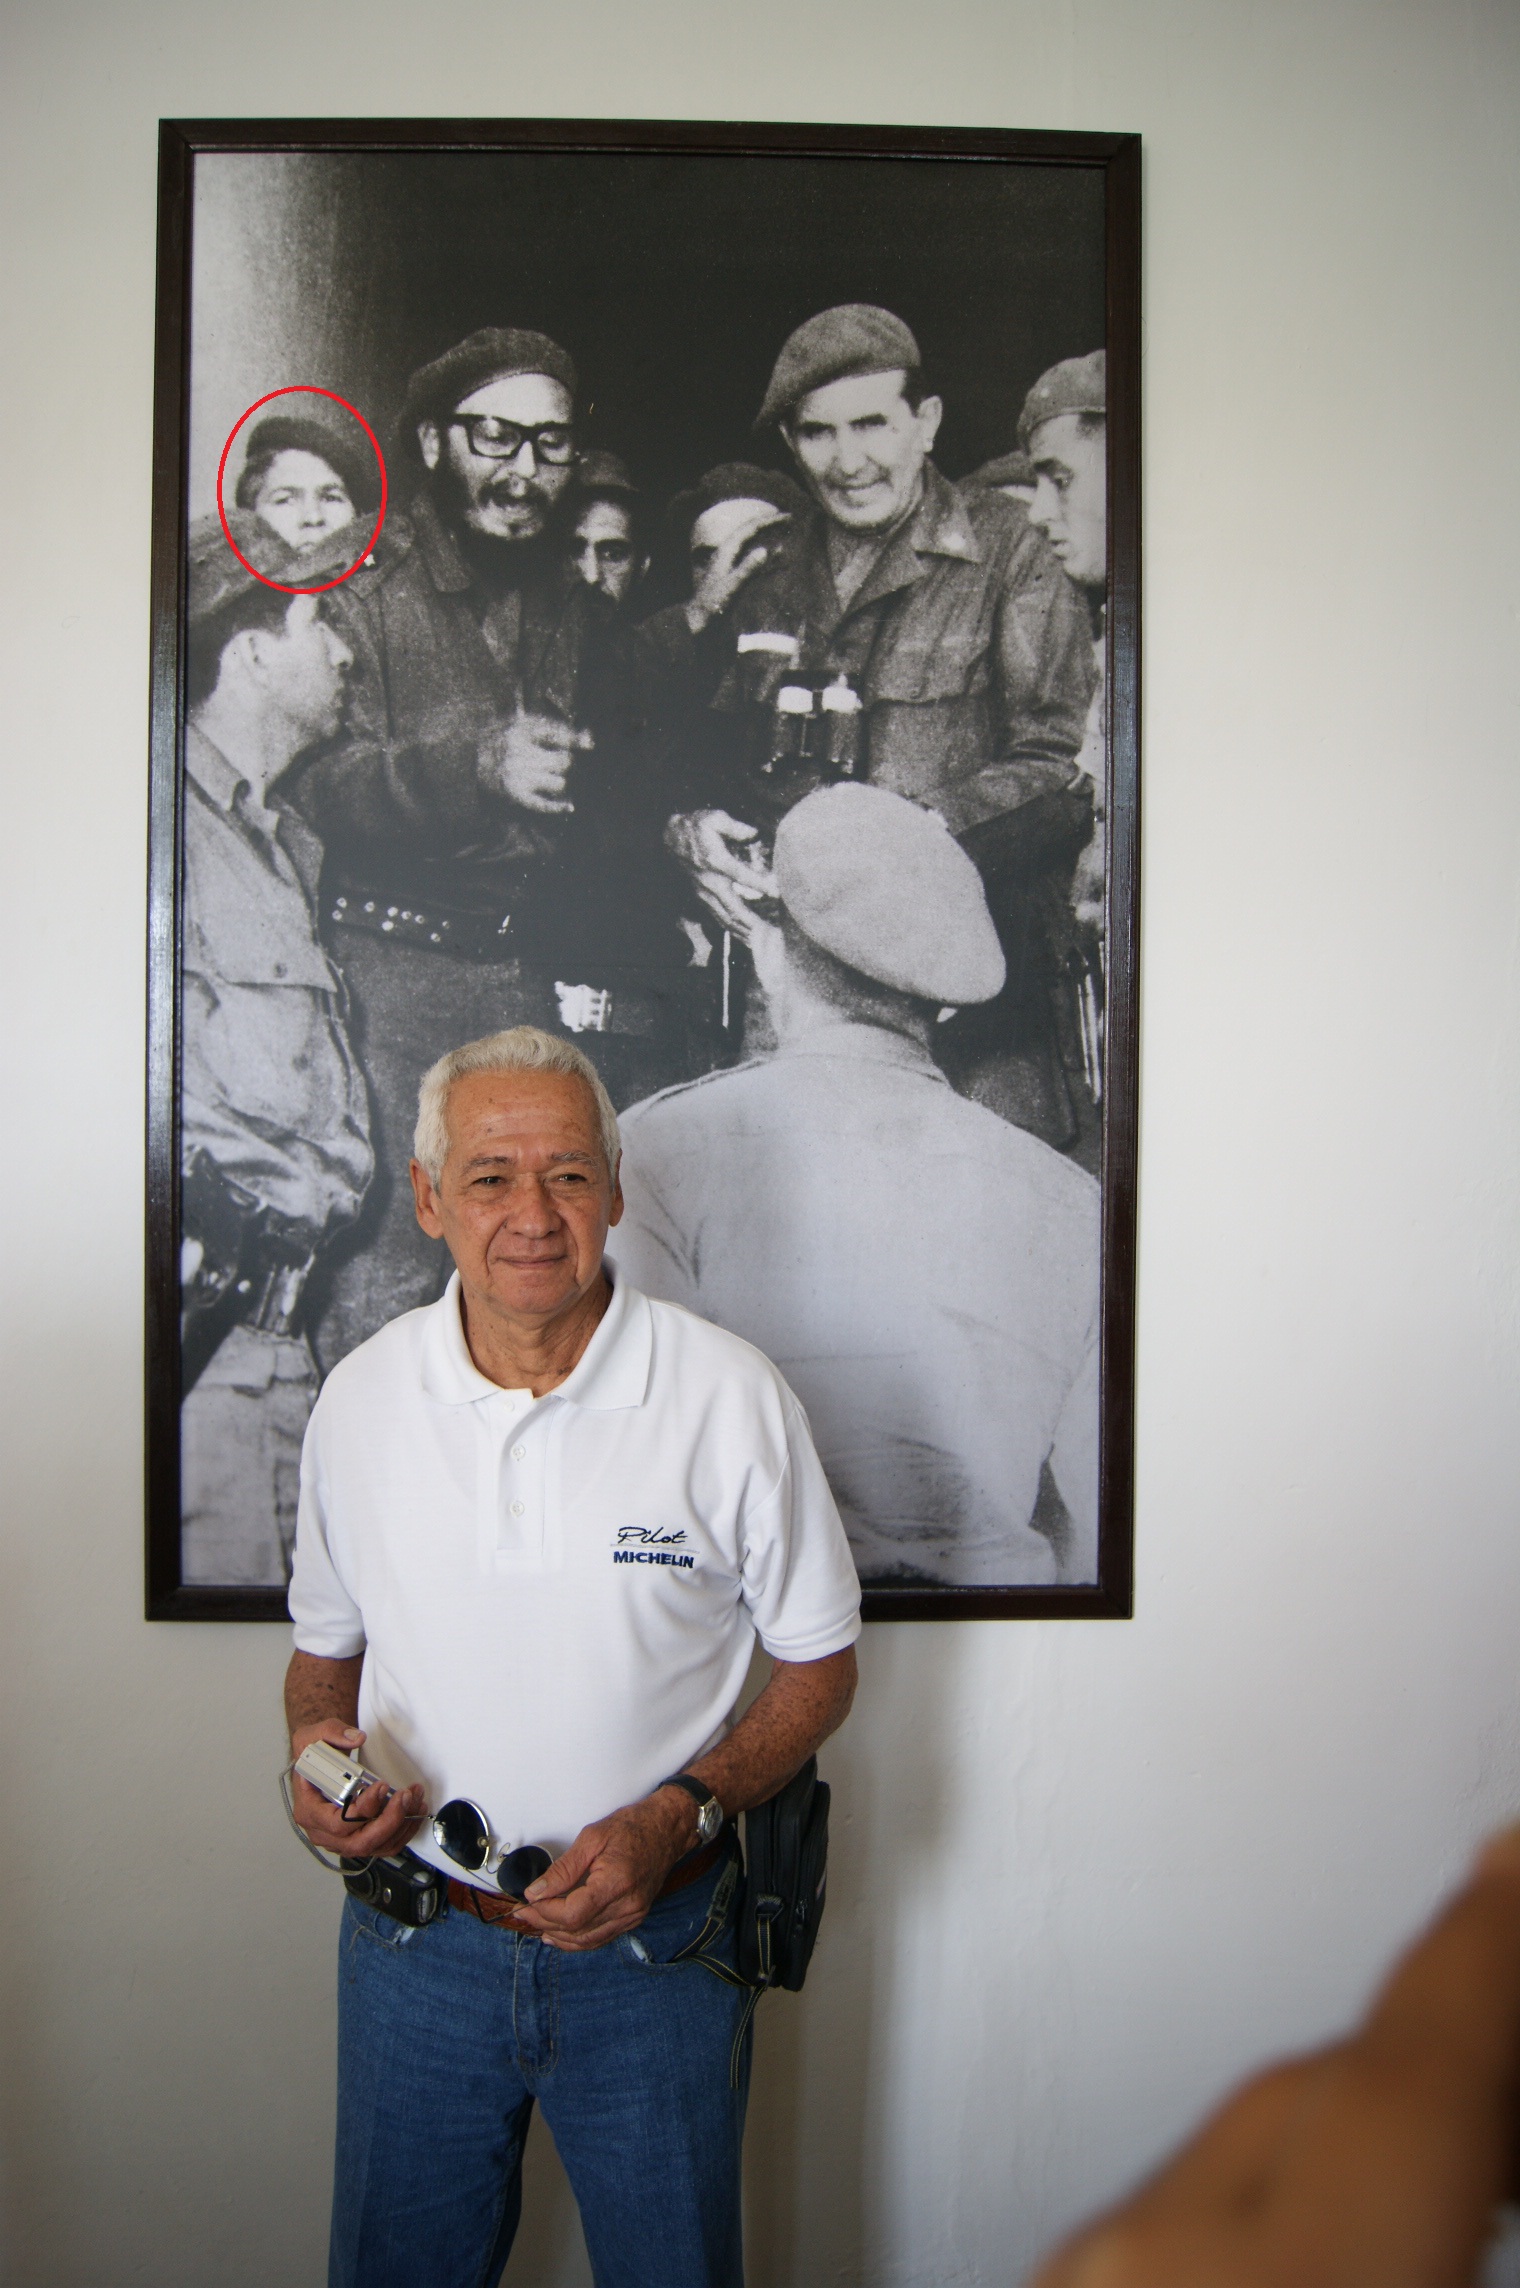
462,1831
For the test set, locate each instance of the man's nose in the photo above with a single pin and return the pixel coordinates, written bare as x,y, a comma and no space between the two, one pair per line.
516,461
338,651
588,568
1044,507
531,1207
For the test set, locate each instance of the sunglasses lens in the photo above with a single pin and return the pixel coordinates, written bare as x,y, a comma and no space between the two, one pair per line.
461,1831
520,1868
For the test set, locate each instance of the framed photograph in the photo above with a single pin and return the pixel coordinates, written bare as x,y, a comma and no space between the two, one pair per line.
676,586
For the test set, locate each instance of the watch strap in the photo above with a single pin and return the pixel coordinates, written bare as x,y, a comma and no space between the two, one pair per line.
701,1795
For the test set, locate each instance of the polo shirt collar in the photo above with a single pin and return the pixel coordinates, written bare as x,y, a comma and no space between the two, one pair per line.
613,1370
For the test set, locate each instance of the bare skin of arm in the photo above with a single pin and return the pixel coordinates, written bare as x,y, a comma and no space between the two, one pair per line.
322,1703
607,1880
1377,2161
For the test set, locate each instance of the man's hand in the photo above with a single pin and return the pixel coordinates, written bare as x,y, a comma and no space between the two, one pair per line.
724,858
735,559
609,1878
379,1822
529,760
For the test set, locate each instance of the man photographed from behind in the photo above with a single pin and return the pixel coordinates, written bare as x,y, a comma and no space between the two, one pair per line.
543,1521
274,1139
925,1273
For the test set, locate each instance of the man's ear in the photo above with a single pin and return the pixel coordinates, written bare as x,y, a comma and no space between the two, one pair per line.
616,1215
243,655
931,413
429,443
791,443
426,1199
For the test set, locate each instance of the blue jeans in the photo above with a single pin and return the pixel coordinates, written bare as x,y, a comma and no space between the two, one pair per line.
447,2035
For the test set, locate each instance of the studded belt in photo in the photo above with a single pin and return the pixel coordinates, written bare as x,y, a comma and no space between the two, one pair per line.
442,929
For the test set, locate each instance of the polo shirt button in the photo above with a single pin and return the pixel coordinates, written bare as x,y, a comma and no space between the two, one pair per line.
517,1509
518,1453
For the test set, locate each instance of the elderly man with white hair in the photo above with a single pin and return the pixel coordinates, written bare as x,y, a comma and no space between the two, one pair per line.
543,1521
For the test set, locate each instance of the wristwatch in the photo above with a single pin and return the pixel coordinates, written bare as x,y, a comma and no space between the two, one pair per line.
709,1810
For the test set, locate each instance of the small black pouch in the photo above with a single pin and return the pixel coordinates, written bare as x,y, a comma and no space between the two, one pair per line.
786,1855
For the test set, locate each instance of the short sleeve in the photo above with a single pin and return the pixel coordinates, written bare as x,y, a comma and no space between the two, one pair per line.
799,1579
327,1619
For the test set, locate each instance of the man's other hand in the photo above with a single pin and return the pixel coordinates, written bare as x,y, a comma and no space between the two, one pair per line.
611,1875
735,559
379,1822
529,760
723,856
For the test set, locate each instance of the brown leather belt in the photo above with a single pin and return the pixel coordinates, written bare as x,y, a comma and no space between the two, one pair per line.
492,1907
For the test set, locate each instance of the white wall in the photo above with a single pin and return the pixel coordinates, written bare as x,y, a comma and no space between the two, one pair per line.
1086,1874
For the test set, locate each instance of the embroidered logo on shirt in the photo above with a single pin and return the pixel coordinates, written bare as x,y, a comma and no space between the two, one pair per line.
652,1547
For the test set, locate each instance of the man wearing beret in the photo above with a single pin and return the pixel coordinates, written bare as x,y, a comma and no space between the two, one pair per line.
606,540
274,1140
449,795
932,611
925,1274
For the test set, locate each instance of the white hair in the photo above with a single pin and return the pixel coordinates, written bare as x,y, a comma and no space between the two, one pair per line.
523,1049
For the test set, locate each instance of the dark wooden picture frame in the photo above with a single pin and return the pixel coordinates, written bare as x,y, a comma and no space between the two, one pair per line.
1109,162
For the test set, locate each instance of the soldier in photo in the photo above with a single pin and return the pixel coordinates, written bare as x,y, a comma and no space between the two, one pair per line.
1064,432
447,799
274,1137
925,1274
909,633
606,536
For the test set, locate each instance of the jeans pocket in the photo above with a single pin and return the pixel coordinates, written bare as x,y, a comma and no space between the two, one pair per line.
367,1923
675,1929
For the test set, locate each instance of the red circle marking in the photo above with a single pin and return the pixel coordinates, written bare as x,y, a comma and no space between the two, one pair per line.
301,389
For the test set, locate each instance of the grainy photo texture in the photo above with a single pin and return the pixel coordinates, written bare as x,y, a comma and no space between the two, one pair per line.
664,595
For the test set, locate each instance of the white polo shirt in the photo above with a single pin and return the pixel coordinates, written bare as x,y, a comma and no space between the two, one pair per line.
557,1598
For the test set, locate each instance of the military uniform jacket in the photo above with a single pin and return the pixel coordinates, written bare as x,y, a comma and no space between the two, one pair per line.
400,799
968,645
948,1362
271,1092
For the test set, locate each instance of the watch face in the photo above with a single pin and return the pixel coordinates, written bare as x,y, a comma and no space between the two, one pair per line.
709,1819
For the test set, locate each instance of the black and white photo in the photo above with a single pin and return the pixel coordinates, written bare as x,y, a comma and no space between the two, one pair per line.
674,588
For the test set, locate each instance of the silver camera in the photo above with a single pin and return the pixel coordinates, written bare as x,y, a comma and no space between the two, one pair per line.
342,1779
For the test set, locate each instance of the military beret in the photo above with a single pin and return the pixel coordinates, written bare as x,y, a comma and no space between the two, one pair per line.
856,337
493,354
604,473
735,480
1076,385
1007,469
882,886
217,579
350,459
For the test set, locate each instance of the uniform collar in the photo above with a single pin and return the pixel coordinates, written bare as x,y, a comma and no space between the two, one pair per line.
939,526
613,1370
942,526
435,544
211,771
869,1044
